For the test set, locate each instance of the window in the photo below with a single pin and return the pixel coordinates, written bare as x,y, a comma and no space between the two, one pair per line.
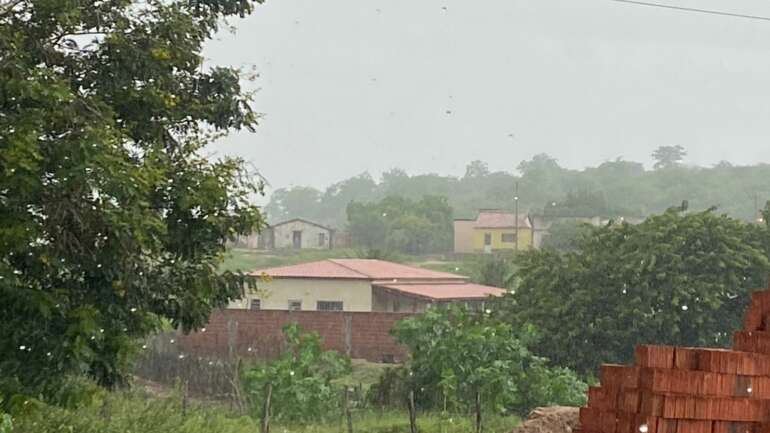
295,305
255,304
321,239
329,306
487,238
509,237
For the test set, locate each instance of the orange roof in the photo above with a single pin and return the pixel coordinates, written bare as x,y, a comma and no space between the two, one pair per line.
361,269
445,291
500,220
322,269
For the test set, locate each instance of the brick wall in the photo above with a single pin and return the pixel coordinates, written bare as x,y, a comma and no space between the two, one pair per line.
258,334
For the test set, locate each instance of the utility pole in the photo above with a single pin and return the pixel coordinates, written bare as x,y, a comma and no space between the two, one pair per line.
516,216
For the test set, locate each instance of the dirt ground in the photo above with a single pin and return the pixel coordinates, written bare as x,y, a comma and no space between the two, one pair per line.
550,420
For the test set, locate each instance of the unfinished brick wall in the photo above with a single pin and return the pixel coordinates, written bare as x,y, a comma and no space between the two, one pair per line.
689,390
258,334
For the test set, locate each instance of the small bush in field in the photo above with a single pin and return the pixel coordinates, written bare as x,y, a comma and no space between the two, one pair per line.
457,354
301,379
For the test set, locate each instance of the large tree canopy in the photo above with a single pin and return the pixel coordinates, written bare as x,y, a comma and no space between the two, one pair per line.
113,219
677,278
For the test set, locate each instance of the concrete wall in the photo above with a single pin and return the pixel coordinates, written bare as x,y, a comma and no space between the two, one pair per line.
524,239
385,301
463,235
359,335
283,235
356,295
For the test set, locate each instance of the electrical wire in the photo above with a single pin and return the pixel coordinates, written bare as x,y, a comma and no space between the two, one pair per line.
686,9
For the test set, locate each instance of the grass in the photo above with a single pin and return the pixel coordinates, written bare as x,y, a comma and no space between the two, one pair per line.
364,374
249,260
137,412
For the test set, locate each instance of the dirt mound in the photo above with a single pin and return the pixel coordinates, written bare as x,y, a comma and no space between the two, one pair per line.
550,420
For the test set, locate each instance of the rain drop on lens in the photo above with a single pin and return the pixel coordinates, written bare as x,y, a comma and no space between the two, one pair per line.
684,307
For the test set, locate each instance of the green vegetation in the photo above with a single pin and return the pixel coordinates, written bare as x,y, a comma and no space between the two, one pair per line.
137,412
299,381
459,356
611,189
112,217
402,225
249,260
678,278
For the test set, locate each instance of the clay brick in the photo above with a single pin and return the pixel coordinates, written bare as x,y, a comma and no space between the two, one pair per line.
733,427
620,376
693,426
685,358
655,356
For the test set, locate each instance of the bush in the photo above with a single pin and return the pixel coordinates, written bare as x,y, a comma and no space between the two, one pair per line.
457,354
301,379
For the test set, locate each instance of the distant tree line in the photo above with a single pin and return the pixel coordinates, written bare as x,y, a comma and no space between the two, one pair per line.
614,188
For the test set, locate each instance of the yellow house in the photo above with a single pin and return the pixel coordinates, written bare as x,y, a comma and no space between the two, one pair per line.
497,230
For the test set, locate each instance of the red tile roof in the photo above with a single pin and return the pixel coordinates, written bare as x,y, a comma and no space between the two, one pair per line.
322,269
500,220
360,269
445,291
382,270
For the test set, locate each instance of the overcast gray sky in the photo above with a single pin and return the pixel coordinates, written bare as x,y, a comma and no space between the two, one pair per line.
349,86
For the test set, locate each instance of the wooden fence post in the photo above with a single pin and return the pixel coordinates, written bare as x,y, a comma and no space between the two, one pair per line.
266,409
412,413
478,412
348,414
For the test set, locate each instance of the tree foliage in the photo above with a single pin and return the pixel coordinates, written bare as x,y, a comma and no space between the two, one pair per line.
113,218
668,156
612,189
301,378
403,225
456,353
678,278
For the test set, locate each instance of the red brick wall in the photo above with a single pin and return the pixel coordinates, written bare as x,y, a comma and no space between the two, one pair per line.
258,334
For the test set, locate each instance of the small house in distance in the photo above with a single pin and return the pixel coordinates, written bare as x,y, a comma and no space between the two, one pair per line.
361,285
493,230
298,233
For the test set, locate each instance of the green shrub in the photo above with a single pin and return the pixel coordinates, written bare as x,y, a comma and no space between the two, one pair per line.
457,354
301,379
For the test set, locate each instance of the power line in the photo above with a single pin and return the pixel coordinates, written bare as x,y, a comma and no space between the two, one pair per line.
702,11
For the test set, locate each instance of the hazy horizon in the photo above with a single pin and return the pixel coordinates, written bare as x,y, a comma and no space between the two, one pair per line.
363,86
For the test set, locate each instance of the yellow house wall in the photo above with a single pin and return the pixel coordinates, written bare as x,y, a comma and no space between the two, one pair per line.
356,295
525,239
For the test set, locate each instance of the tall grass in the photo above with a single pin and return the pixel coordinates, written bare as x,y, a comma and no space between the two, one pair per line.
137,412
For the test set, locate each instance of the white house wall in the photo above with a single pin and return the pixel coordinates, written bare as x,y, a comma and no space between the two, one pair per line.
355,295
284,235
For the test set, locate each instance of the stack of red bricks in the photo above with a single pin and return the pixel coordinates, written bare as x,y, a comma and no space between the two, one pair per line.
689,390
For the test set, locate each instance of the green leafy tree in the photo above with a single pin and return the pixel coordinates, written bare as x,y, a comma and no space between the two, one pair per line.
477,169
297,202
668,156
301,379
677,278
401,224
496,270
113,219
564,235
456,353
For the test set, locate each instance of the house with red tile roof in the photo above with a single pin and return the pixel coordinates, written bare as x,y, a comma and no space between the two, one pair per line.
493,230
360,285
